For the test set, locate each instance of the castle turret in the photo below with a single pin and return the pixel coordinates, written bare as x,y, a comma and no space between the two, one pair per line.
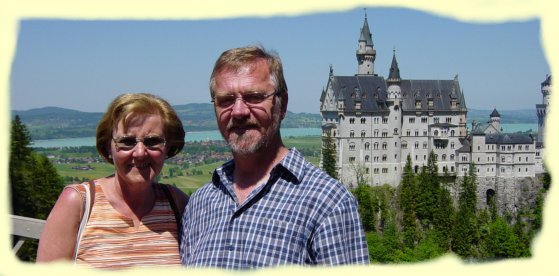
365,53
495,119
541,109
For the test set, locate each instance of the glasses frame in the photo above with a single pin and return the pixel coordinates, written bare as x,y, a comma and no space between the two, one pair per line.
242,97
160,146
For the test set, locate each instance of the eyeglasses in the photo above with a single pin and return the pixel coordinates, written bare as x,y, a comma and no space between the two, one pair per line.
249,98
150,142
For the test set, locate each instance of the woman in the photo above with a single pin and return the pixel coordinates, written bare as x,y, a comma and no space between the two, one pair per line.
132,220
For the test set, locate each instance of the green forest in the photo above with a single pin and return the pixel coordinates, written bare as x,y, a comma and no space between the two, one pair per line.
419,221
416,221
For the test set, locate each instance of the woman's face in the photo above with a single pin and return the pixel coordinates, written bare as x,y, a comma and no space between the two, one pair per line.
138,164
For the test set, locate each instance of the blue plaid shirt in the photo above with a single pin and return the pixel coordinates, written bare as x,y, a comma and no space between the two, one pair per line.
299,216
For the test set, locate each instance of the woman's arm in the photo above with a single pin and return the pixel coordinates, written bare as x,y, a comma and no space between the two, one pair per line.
58,238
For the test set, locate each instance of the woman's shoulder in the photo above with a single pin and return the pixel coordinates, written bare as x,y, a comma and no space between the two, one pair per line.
178,195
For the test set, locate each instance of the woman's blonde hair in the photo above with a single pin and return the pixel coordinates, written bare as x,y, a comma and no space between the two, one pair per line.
139,104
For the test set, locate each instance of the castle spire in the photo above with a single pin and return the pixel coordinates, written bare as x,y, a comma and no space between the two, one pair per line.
365,53
394,74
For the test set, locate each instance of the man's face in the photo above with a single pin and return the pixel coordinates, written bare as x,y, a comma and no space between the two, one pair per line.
247,127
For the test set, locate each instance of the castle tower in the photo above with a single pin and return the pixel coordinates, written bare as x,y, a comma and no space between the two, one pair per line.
365,53
541,109
495,119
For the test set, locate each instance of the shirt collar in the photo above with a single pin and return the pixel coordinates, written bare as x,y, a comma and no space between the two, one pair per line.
293,164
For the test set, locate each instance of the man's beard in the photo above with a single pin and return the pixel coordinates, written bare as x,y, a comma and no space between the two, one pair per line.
250,143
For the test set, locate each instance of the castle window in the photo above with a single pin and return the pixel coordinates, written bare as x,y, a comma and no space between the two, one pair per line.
452,157
362,133
363,120
352,146
449,120
351,121
416,132
412,120
417,104
384,120
375,146
395,131
436,120
527,147
451,168
367,146
408,132
384,170
452,145
376,133
384,145
351,133
423,120
384,133
351,159
404,144
366,158
452,133
384,157
424,145
424,132
416,144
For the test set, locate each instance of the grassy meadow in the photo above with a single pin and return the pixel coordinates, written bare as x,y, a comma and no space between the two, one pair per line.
309,146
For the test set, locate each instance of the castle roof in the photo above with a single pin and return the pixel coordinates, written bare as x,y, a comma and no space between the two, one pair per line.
508,138
495,113
394,74
371,91
366,33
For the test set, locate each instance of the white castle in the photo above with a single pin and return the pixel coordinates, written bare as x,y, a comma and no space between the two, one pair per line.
376,123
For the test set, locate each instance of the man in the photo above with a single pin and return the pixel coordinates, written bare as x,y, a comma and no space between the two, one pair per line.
268,206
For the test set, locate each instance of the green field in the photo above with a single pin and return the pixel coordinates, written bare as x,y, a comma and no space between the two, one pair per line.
309,146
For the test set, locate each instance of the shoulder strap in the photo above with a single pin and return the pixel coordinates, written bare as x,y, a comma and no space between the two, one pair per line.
168,193
88,205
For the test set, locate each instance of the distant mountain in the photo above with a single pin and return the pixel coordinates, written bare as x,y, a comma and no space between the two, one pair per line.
55,122
520,116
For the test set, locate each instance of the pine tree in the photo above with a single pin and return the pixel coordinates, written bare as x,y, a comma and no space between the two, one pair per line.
365,207
329,156
407,198
20,158
34,182
466,235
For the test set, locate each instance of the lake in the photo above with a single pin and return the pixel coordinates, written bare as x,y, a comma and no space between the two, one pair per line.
215,135
196,136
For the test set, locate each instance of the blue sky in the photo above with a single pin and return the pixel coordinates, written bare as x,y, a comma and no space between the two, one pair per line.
84,64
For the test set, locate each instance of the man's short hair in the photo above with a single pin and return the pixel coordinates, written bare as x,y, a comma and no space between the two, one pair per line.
236,58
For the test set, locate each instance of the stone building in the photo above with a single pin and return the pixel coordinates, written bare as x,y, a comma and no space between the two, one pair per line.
376,122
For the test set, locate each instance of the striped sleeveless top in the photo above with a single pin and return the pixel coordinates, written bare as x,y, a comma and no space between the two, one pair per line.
111,241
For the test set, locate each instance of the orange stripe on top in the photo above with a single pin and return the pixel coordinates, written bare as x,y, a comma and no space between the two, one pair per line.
110,239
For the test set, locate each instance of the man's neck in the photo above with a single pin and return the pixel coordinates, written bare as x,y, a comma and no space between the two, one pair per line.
252,170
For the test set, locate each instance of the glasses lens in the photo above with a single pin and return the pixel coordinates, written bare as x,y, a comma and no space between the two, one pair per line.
254,98
225,100
154,142
126,143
